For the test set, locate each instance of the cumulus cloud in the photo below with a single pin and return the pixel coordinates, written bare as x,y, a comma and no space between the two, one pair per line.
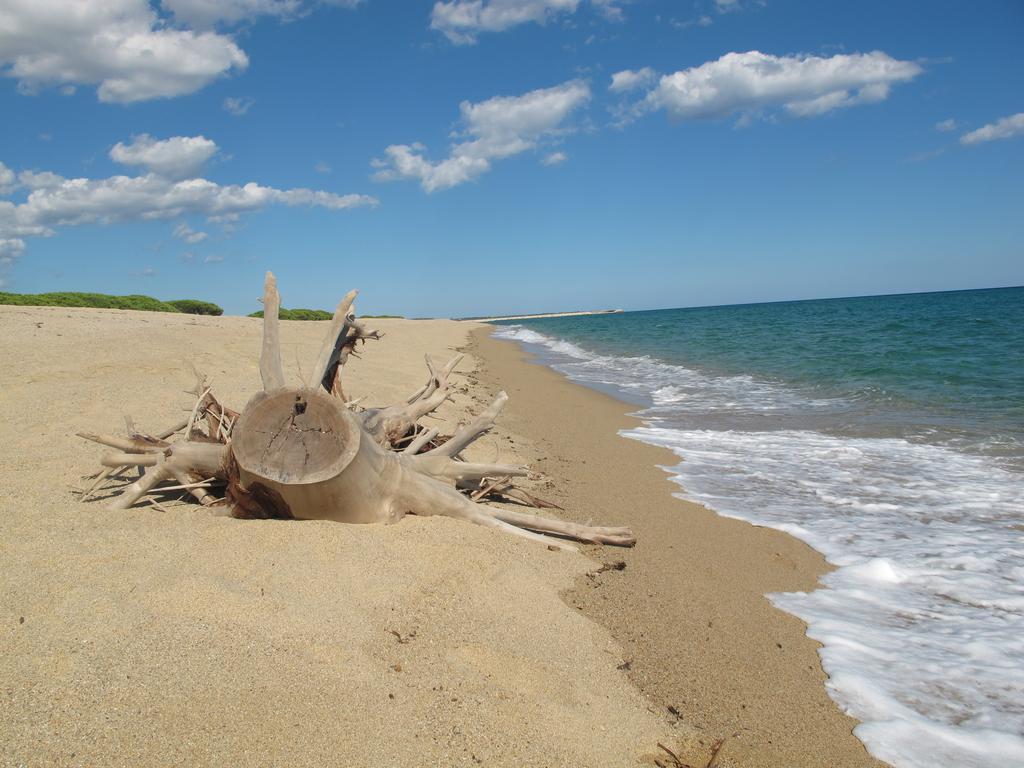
205,14
189,235
53,202
1004,128
238,105
554,158
6,179
610,9
748,83
700,21
630,79
945,126
72,202
461,21
10,249
120,45
494,129
178,157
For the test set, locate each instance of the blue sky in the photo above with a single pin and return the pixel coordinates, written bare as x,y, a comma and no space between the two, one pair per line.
499,156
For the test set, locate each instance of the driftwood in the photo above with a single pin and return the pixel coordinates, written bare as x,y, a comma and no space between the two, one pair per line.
310,453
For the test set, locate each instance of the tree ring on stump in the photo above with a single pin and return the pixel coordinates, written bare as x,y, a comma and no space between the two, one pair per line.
295,437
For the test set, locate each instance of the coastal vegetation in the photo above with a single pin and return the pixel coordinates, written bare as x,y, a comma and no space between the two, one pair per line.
143,303
194,307
297,314
106,301
313,314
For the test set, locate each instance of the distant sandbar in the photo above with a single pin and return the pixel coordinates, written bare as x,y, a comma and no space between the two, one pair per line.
542,314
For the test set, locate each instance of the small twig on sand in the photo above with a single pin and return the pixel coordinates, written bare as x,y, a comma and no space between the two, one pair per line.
714,753
676,762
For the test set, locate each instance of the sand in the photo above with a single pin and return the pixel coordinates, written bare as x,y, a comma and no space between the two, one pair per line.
689,606
181,637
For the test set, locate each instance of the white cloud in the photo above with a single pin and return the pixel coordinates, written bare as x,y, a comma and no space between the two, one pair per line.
54,202
554,158
322,167
1004,128
462,20
6,179
494,129
72,202
10,249
120,45
179,157
730,6
147,272
803,85
946,125
205,14
39,179
238,105
700,21
189,235
213,259
610,9
629,79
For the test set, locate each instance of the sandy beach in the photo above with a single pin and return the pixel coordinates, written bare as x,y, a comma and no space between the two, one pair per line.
688,608
181,637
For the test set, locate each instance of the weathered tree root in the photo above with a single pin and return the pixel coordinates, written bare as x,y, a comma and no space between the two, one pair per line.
389,425
299,452
341,340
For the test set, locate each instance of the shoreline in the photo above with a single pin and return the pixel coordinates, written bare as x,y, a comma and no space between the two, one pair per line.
703,642
184,637
576,313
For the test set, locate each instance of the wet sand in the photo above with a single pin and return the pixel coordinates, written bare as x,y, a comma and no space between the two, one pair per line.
702,641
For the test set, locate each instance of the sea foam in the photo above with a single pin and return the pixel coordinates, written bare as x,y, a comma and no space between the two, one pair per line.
922,623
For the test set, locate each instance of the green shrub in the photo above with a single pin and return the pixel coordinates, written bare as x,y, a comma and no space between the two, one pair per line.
308,314
193,307
298,314
94,300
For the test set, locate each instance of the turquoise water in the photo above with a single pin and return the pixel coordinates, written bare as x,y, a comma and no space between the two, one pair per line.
937,367
887,432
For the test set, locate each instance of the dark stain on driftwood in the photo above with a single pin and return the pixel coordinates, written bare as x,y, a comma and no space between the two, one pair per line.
257,502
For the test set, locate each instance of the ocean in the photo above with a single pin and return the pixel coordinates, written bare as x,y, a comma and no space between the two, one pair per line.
888,433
